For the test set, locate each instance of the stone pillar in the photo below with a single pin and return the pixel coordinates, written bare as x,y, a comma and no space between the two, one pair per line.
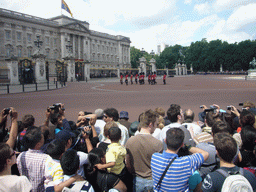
40,73
153,64
63,45
70,69
87,71
221,70
179,67
183,69
143,65
79,46
118,72
13,75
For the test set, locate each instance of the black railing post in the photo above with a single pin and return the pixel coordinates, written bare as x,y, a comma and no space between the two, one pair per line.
8,89
56,84
23,87
54,80
48,84
36,86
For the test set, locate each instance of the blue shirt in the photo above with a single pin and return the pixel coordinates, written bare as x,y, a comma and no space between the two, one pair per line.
178,174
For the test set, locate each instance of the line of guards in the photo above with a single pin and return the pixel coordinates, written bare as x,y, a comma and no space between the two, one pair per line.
141,77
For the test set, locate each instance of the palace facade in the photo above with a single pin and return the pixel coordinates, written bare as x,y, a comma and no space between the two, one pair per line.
60,37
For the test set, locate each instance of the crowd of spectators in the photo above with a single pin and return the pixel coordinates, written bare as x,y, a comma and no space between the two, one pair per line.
104,151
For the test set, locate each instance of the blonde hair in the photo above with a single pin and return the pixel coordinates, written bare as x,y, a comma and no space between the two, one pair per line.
107,126
160,122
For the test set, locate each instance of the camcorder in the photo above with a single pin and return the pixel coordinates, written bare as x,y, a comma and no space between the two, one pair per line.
56,107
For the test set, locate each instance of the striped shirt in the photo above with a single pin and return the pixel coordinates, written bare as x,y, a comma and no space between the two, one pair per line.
31,163
53,172
177,176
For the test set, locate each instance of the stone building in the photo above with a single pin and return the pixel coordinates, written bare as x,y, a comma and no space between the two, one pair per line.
62,37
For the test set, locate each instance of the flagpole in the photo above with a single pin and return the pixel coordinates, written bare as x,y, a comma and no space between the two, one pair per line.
61,6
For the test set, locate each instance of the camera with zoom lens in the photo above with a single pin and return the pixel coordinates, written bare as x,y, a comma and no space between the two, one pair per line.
82,129
7,111
56,107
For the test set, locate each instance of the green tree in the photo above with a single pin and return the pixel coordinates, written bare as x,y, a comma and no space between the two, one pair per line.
135,55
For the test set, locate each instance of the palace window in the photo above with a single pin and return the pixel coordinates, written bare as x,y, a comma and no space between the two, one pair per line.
18,36
29,38
8,35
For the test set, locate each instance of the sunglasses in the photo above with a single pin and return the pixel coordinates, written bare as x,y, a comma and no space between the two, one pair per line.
105,116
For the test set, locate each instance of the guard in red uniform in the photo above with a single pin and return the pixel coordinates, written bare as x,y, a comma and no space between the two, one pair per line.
136,78
126,78
121,78
164,78
131,78
149,78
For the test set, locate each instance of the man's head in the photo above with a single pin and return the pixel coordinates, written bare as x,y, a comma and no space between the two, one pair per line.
56,119
56,148
107,126
174,113
247,118
210,118
114,134
28,120
99,113
160,111
149,119
174,138
124,115
189,116
110,114
221,127
33,139
226,146
70,162
248,136
66,137
248,105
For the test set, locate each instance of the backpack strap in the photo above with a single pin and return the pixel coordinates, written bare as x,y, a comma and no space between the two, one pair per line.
223,172
165,171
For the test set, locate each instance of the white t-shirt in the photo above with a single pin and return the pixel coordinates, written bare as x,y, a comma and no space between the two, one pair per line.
15,183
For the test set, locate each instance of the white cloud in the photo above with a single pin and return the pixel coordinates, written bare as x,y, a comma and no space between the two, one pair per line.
242,16
222,5
187,2
202,9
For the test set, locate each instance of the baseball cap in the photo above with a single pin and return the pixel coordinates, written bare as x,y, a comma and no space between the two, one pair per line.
124,114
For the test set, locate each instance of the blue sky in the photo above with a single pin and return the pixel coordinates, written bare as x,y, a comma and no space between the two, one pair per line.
149,23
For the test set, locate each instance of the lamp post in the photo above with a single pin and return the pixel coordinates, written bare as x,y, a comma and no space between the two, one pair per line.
152,53
142,51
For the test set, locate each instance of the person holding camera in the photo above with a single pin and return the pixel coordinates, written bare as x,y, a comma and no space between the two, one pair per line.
14,125
56,114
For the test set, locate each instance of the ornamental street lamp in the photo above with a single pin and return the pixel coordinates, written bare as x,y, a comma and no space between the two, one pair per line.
142,51
152,53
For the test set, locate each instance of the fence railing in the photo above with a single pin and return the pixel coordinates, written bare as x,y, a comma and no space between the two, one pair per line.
18,88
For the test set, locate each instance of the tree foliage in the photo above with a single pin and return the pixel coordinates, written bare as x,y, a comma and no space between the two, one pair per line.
204,56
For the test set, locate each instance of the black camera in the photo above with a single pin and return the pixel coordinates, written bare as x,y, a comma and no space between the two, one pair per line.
201,106
56,107
82,129
7,111
241,104
229,108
